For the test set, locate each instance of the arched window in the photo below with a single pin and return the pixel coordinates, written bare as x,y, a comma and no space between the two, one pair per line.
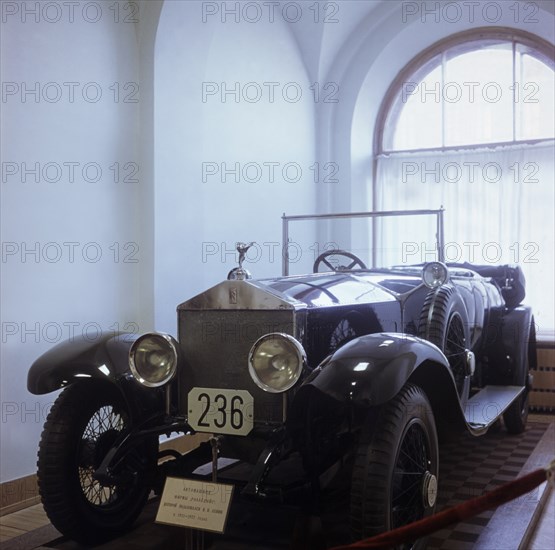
470,124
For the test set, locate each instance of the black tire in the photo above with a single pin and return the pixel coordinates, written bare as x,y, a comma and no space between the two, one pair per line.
82,425
396,466
443,322
516,416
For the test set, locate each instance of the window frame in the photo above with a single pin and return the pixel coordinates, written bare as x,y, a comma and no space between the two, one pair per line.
542,49
463,40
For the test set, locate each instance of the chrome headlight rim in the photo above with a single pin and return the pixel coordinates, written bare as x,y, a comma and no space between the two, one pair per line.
173,348
301,361
435,274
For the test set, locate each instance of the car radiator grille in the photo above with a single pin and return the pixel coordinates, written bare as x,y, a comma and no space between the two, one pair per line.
215,346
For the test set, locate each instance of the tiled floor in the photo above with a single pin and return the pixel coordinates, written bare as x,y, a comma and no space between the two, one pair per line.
543,538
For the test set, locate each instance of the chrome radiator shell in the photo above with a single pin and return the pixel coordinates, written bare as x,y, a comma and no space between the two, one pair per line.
216,332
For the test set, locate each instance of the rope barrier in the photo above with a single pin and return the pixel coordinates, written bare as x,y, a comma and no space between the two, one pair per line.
412,531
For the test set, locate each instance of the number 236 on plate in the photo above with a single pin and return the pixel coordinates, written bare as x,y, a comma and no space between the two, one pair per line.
220,411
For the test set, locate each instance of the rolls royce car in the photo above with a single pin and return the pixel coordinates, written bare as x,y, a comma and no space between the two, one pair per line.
349,370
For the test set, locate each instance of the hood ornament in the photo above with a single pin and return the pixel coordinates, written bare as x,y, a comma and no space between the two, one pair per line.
240,273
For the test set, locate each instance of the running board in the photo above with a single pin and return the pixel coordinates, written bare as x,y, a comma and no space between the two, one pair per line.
485,407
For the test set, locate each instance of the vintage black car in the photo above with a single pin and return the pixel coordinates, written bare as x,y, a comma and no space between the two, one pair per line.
345,368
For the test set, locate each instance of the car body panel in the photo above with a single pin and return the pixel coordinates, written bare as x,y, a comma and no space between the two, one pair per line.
370,370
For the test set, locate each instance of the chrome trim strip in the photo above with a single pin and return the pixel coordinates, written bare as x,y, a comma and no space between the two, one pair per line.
285,248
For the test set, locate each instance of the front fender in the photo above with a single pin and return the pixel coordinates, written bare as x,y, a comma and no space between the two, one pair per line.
100,362
78,359
364,374
372,369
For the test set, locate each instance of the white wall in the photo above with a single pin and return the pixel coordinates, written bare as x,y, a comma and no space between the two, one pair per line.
164,217
361,54
198,222
64,287
368,60
172,215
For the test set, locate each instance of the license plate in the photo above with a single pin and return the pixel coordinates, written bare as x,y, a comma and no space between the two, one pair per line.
220,411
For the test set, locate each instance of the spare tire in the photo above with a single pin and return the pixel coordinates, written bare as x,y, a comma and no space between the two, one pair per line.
443,321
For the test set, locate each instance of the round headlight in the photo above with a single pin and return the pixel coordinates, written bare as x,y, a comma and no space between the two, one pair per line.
435,274
153,359
276,362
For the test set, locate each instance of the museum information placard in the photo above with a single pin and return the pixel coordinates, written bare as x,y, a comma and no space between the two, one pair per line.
195,504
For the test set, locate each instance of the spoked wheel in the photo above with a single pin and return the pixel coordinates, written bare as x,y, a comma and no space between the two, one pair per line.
396,467
413,484
454,347
442,322
353,324
337,260
82,426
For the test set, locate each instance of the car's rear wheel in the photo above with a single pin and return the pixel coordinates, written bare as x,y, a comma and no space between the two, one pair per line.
516,416
443,322
395,470
82,426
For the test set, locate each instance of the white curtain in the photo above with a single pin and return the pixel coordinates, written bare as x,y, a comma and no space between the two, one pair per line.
499,208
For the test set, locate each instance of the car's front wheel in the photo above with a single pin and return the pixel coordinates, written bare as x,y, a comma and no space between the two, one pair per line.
395,471
82,426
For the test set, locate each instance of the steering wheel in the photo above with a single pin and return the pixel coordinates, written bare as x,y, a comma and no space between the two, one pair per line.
335,261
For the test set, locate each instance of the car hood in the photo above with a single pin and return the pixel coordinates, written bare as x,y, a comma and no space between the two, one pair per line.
299,292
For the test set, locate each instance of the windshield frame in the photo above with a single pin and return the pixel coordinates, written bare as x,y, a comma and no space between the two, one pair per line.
286,220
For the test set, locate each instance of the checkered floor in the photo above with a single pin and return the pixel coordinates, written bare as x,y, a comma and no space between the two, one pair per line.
469,467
